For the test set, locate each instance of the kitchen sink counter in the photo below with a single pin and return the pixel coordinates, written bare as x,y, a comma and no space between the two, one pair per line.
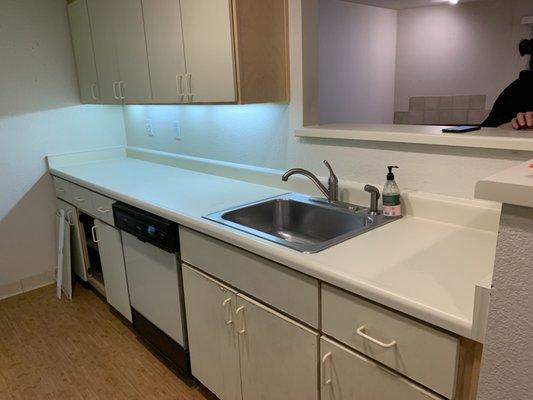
424,268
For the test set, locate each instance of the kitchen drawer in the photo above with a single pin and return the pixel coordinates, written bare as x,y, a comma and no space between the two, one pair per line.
103,208
281,287
63,189
348,375
424,354
82,198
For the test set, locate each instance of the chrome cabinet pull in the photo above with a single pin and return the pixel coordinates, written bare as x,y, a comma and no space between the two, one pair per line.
361,332
326,381
115,95
93,234
240,310
121,89
227,303
80,199
93,92
102,210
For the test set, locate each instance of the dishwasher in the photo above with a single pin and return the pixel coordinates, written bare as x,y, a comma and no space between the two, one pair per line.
155,285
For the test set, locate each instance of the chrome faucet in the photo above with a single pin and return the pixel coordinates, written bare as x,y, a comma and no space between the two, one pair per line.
374,197
331,192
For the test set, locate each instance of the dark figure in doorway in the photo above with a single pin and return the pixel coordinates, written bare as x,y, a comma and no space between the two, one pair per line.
514,107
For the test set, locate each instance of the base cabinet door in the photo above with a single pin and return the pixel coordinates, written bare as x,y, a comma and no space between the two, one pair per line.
278,356
113,268
79,266
348,375
213,344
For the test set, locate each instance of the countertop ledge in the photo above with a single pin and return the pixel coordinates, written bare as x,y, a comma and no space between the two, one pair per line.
423,268
511,186
485,138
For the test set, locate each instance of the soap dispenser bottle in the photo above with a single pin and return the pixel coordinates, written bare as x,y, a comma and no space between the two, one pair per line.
391,196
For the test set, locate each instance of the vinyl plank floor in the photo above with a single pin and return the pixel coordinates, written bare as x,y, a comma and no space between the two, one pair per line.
77,349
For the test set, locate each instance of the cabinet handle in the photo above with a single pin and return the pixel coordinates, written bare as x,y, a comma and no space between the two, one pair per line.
361,332
227,303
121,90
243,324
60,190
115,84
93,92
179,86
93,234
69,218
327,381
102,210
190,94
80,199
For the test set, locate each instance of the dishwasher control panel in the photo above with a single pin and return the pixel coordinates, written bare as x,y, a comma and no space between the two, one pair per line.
147,227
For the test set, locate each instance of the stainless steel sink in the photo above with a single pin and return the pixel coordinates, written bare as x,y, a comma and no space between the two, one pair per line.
302,223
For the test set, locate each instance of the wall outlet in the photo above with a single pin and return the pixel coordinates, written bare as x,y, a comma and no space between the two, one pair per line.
149,129
176,130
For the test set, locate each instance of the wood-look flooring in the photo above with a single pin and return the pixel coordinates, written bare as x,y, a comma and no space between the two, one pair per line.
77,349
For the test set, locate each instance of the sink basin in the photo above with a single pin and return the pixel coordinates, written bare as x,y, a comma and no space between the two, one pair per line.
300,222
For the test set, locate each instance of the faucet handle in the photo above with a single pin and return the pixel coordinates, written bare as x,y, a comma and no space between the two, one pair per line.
331,173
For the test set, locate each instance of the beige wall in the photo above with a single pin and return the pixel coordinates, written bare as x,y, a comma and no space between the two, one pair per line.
40,114
468,49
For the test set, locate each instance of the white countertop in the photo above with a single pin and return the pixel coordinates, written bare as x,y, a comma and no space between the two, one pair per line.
485,138
511,186
424,268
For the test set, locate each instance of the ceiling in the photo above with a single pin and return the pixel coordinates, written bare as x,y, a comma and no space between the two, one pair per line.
402,4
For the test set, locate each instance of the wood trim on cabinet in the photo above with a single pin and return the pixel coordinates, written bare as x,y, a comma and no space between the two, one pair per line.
469,366
261,50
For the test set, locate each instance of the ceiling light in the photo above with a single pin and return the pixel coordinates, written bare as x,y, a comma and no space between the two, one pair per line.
453,1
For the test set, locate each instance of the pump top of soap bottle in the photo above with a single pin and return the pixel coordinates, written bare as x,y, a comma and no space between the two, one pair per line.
390,175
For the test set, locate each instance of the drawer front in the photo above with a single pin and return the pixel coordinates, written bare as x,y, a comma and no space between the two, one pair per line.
82,198
103,208
348,375
63,189
426,355
279,286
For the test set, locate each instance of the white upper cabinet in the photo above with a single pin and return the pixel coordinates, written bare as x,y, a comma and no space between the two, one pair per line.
131,51
208,42
105,54
183,51
120,51
82,42
164,41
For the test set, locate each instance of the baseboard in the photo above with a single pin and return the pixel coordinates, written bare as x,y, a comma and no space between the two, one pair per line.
27,284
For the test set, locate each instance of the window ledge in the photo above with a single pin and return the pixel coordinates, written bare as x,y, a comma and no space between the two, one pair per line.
486,138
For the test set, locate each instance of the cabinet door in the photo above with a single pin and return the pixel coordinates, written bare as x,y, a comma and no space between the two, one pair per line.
210,309
112,260
208,41
348,375
164,42
79,266
278,356
103,34
66,275
82,42
131,50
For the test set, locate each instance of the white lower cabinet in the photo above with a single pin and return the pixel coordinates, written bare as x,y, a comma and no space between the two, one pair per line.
213,343
113,268
348,375
241,349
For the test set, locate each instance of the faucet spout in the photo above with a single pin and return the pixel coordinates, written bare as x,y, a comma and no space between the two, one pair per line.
331,192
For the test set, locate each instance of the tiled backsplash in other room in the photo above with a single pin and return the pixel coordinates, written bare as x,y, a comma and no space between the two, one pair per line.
444,110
